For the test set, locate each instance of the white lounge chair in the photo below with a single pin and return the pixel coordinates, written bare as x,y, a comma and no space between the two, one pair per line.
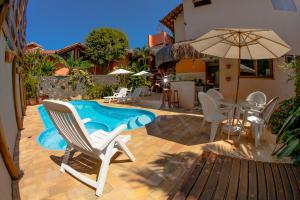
211,113
261,118
100,144
121,94
133,97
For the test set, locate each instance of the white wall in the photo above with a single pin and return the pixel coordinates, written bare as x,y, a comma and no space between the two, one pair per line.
5,182
179,28
7,111
241,14
7,115
277,86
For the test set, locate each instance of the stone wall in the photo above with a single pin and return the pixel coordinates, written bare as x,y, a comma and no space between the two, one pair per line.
58,87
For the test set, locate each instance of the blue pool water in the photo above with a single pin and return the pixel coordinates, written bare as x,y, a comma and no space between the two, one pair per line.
102,117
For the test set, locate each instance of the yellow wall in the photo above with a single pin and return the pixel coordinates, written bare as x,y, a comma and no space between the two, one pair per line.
190,66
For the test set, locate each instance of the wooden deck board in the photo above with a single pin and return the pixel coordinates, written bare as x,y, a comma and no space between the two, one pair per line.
222,177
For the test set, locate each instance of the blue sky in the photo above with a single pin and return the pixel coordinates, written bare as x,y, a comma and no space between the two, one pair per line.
57,23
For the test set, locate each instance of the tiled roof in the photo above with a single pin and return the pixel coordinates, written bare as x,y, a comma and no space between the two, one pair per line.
168,20
67,48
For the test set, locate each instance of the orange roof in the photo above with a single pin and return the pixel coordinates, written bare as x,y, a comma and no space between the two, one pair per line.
62,72
72,46
168,20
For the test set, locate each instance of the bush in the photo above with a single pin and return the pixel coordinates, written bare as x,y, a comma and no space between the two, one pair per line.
99,91
288,137
285,109
31,85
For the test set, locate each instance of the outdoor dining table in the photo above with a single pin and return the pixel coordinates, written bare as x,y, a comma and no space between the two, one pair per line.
235,123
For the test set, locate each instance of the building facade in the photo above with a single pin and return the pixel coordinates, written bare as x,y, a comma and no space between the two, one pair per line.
12,107
194,18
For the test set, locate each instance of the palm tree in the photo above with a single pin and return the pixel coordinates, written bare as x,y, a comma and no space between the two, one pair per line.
142,56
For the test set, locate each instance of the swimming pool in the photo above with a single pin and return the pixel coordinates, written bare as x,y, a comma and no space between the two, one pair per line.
102,117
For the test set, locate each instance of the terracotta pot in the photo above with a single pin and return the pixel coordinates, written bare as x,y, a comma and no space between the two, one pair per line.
32,101
9,56
40,100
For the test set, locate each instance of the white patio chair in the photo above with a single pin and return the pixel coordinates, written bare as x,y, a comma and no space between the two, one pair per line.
261,119
257,98
146,91
122,93
211,113
133,97
100,144
217,96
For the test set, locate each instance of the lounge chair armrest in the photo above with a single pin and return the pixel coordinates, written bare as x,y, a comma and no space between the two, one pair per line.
86,120
111,136
102,132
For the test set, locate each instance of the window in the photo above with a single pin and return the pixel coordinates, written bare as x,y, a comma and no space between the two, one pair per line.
256,68
201,2
284,5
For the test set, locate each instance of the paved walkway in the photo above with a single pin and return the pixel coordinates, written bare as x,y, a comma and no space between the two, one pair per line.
222,177
164,150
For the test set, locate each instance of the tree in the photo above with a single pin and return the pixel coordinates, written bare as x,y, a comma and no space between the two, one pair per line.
142,55
77,71
105,45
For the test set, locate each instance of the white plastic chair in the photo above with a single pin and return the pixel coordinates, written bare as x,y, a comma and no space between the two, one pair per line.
217,96
258,98
133,97
122,93
260,120
211,113
100,144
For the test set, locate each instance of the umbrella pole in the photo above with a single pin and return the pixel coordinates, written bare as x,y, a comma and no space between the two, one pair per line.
238,83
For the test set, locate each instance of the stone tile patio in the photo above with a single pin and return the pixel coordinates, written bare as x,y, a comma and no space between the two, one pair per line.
164,151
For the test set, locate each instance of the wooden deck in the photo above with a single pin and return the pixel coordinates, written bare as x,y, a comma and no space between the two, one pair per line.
221,177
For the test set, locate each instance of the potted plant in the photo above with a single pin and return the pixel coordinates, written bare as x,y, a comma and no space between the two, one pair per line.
31,89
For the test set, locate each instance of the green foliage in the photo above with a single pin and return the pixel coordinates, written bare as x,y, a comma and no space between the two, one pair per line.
31,85
38,64
285,109
141,56
289,106
105,45
289,138
286,119
77,71
139,62
99,91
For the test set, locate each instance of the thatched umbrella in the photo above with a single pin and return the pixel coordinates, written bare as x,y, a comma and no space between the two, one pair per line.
175,52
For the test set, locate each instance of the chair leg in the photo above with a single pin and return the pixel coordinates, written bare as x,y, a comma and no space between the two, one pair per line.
202,125
102,175
66,158
260,129
256,132
213,131
125,149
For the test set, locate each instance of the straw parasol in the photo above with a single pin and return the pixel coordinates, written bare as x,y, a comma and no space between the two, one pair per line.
176,52
251,44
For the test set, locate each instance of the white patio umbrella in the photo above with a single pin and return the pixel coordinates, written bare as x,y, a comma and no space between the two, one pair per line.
122,75
143,73
251,44
120,72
